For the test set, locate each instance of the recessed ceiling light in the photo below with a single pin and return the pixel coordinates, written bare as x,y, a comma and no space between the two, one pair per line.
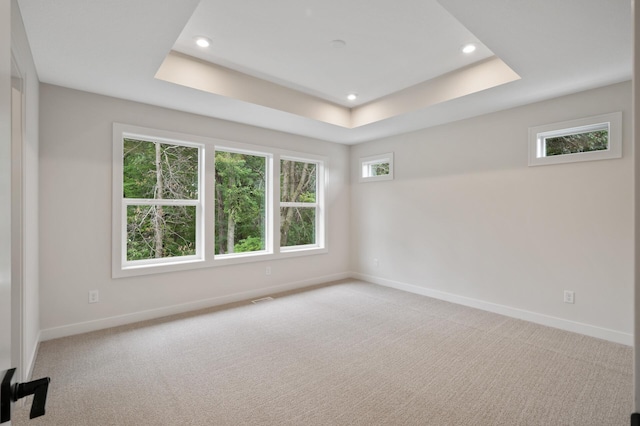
468,48
352,96
202,41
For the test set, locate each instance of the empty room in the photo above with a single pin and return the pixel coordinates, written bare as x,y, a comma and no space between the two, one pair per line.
307,212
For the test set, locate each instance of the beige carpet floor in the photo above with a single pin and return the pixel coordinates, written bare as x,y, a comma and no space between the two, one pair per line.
351,353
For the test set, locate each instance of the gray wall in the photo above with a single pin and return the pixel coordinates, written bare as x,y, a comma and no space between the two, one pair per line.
465,219
75,219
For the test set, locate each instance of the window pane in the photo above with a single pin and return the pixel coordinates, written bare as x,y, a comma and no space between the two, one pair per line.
297,226
159,171
160,231
582,142
379,169
240,202
297,181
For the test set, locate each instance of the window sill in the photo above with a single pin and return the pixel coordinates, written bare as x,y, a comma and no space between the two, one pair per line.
218,261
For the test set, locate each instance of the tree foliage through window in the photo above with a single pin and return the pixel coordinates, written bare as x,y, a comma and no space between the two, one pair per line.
154,172
161,200
298,203
240,202
580,142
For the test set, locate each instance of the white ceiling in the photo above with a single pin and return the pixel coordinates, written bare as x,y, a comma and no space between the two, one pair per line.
289,42
116,47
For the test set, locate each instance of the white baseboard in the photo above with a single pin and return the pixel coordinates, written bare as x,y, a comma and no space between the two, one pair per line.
99,324
563,324
102,323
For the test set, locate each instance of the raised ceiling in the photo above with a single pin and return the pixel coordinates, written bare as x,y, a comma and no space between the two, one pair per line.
403,58
289,42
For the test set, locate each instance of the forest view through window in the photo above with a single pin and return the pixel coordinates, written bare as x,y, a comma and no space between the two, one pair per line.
183,202
583,139
572,143
160,188
298,205
240,202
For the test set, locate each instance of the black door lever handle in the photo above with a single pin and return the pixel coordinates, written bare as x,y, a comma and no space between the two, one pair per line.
37,388
10,393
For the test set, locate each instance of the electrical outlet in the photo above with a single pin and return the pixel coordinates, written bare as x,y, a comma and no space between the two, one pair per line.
569,296
94,296
268,270
376,262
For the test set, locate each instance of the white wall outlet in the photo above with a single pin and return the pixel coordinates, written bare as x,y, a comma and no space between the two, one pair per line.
268,270
94,296
569,296
376,262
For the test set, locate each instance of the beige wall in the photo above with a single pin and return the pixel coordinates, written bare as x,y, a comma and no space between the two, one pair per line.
465,219
75,218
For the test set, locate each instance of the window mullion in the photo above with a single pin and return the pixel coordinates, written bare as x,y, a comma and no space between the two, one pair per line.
298,204
276,204
158,202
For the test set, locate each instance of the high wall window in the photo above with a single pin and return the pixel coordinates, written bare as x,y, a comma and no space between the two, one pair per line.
586,139
183,202
376,167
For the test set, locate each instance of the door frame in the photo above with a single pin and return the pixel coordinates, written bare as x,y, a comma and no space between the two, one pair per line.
18,129
5,186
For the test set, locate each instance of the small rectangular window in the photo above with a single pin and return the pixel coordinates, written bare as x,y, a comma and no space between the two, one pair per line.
576,140
376,167
593,138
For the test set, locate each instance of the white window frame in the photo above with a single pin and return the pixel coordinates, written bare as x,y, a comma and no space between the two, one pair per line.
611,122
318,205
367,162
205,238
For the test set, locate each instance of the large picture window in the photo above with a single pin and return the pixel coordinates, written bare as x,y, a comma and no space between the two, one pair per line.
183,202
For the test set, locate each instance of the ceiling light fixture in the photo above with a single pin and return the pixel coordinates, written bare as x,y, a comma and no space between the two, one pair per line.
202,41
468,48
352,96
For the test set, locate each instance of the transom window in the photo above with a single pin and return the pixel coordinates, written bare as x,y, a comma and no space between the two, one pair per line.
183,202
593,138
376,167
573,141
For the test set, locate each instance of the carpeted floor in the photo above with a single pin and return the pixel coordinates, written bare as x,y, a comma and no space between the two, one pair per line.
346,354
